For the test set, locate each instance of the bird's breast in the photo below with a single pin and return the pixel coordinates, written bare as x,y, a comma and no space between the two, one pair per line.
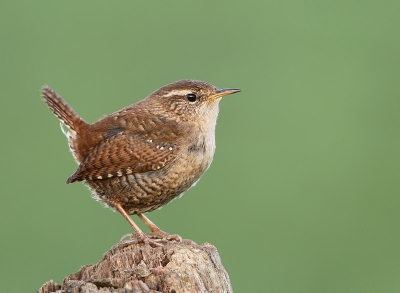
195,159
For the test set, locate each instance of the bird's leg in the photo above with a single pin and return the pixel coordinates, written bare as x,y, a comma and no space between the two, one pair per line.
157,231
139,237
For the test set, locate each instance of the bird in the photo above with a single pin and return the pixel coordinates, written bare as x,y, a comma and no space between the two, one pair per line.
138,159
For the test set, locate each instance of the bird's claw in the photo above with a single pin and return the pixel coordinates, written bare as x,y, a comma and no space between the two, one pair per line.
140,238
165,236
153,239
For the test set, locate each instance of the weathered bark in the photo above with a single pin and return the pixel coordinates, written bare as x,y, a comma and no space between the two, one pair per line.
133,268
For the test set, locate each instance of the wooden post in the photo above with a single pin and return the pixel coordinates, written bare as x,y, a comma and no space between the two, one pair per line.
133,268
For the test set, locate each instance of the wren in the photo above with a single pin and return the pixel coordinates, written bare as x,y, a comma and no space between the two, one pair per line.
138,159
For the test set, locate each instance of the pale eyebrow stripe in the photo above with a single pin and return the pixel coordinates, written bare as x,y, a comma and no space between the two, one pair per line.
176,93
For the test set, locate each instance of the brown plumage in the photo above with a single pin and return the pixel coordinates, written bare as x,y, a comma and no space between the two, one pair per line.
140,158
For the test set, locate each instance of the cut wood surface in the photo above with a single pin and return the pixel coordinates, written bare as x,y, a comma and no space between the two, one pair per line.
132,268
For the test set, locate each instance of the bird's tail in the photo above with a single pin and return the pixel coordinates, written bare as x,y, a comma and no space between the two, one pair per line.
62,110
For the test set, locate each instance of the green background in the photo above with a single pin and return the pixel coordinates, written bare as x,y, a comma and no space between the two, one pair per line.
303,193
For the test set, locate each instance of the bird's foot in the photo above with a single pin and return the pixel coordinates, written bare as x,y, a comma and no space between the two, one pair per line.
159,234
138,238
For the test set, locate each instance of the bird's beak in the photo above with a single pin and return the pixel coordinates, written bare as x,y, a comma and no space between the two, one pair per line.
224,92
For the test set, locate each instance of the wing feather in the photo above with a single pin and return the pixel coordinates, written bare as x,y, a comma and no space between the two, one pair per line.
124,153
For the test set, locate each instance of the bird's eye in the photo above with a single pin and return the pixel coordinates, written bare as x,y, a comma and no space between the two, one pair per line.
191,97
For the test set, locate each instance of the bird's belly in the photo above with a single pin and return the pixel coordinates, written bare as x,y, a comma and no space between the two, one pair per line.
145,192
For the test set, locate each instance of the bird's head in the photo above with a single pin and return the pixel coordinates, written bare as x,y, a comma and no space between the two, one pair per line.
189,100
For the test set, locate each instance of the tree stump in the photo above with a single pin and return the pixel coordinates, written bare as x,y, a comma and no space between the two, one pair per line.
132,268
